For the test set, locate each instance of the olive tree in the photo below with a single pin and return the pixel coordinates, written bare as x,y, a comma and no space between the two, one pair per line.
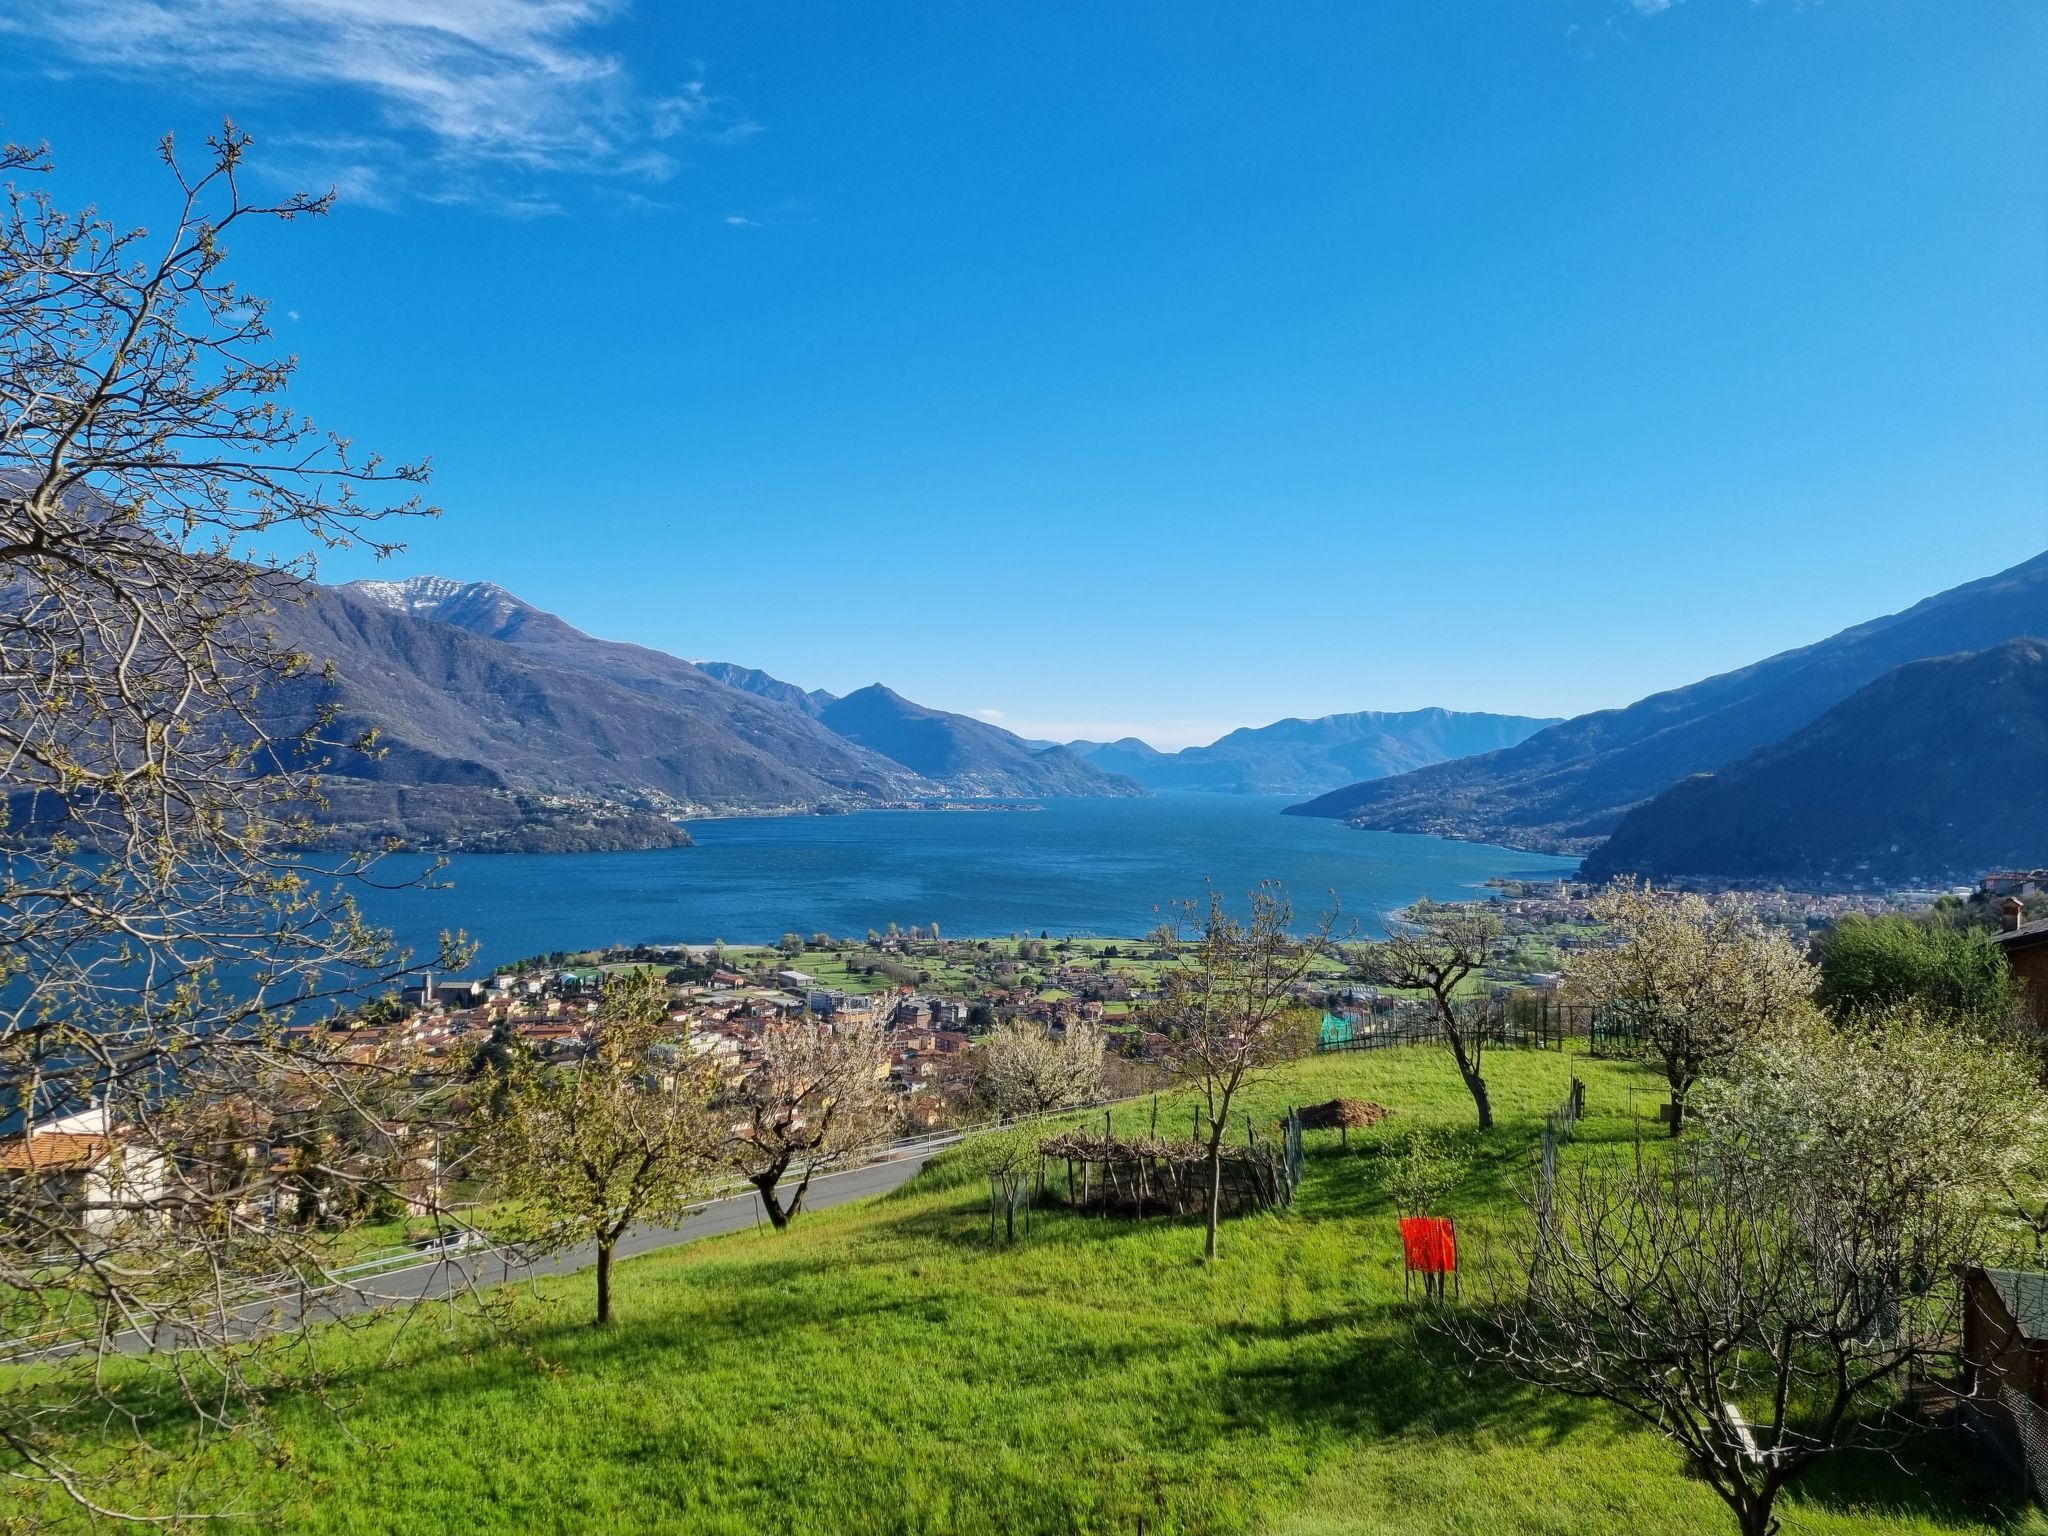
1755,1293
818,1097
1230,1010
586,1151
161,505
1696,980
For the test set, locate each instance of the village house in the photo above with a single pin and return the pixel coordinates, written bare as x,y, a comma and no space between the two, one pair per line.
81,1170
2014,882
427,993
2026,955
552,1041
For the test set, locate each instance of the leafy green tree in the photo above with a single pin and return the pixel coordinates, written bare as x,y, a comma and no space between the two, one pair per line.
1875,962
1980,909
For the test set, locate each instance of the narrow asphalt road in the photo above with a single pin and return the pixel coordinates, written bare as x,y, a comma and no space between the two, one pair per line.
450,1274
442,1276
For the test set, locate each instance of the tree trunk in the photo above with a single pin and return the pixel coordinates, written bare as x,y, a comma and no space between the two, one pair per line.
1481,1098
1681,1087
1467,1062
1752,1503
604,1283
795,1202
778,1215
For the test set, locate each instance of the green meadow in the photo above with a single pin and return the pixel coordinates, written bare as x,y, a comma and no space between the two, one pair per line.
884,1368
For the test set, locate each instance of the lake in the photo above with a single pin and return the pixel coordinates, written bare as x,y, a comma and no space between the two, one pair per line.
1074,867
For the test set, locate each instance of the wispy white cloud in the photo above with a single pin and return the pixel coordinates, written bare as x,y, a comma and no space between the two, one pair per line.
464,90
1649,7
789,211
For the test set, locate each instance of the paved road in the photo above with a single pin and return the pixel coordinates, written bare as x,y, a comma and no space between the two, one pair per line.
452,1273
439,1277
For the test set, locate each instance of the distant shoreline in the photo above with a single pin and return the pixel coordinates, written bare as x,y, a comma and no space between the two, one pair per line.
785,812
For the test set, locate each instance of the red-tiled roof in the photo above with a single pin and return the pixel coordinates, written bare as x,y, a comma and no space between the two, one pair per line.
51,1150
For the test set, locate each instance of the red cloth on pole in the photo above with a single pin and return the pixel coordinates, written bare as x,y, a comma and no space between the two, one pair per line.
1430,1244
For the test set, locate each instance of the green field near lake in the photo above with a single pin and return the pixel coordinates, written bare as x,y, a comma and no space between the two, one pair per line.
885,1368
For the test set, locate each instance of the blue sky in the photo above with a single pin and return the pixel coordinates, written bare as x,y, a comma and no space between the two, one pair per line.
1153,367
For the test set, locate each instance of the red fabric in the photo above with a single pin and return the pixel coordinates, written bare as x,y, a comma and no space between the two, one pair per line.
1430,1244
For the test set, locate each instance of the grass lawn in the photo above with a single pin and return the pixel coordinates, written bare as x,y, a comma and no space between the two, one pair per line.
882,1368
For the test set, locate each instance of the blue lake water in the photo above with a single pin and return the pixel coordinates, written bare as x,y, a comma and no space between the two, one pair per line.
1074,867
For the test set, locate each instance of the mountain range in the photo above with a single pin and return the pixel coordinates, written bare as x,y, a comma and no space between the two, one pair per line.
1937,769
809,701
1306,757
1566,788
1855,758
971,755
501,726
1623,785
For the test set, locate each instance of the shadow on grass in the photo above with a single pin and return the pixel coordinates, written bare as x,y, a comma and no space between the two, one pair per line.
1937,1474
1341,1182
1397,1379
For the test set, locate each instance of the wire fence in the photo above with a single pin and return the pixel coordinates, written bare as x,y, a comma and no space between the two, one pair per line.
2030,1432
1520,1021
1558,1128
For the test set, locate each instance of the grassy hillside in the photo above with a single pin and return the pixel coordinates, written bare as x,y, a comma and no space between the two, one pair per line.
882,1368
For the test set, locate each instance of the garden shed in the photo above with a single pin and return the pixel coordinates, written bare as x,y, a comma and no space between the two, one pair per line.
2005,1363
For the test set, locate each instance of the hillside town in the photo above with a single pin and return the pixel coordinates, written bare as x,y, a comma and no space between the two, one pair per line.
935,999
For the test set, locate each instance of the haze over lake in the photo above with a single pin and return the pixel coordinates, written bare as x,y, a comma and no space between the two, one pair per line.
1074,867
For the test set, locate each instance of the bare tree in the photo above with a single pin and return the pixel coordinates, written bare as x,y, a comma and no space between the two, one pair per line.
158,499
1230,1009
585,1152
1024,1069
1754,1294
818,1098
1435,953
1697,981
1008,1158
